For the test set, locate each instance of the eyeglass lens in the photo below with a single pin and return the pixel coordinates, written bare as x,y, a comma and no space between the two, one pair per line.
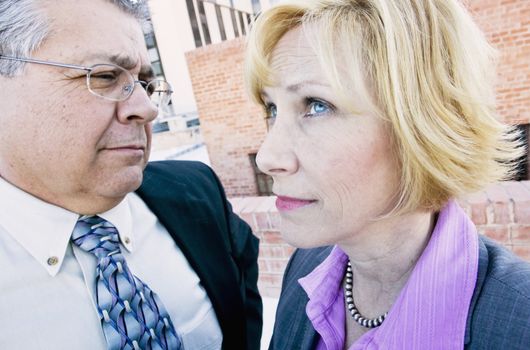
159,92
115,83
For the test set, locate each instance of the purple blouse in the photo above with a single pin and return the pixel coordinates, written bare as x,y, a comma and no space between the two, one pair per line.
431,310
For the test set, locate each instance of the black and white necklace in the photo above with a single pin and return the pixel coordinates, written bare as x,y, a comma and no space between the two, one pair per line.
348,295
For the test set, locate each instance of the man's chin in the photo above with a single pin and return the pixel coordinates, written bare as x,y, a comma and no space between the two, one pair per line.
128,180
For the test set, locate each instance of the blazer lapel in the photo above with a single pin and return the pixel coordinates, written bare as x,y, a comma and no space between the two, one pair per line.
195,227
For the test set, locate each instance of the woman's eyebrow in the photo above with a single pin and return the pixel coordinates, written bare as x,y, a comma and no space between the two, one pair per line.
299,86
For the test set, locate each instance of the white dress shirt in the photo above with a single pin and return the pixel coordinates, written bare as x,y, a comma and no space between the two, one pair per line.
47,284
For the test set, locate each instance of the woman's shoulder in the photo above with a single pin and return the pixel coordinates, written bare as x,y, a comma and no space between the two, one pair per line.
500,310
504,270
303,261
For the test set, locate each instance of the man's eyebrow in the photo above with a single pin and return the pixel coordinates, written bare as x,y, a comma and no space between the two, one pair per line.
123,61
127,62
147,72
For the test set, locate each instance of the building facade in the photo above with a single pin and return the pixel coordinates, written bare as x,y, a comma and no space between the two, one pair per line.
233,127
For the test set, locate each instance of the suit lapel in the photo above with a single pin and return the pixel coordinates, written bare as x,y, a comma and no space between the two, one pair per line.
194,225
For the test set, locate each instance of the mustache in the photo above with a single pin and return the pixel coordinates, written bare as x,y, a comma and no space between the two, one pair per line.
140,142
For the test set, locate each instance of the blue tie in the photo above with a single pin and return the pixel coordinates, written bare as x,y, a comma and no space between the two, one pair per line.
132,315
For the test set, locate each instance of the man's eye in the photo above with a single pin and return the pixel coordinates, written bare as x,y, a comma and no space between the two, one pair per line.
108,76
317,107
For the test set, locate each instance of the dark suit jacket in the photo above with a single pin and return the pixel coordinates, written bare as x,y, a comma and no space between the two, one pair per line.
189,201
499,315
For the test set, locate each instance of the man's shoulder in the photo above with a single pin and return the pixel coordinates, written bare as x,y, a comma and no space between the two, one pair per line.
176,180
501,316
178,169
180,173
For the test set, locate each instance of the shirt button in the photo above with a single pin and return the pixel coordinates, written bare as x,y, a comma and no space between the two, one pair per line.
127,240
53,260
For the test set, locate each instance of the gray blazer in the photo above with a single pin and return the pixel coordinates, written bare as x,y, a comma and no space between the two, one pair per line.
499,315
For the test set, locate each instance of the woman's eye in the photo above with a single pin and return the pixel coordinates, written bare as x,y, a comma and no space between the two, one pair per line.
270,110
317,107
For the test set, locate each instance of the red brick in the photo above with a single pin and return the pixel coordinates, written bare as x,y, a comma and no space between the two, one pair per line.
267,251
477,203
522,251
249,219
502,211
272,237
520,196
522,212
225,110
262,265
269,291
478,213
276,220
499,233
273,279
521,235
277,265
288,250
263,221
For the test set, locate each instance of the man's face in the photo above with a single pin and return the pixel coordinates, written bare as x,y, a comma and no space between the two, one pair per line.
58,141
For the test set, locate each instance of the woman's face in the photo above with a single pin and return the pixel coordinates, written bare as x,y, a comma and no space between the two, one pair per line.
334,171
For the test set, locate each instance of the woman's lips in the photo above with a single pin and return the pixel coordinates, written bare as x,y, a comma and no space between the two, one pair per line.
288,203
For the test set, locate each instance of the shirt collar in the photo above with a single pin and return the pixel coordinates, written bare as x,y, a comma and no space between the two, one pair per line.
120,216
44,229
433,304
322,283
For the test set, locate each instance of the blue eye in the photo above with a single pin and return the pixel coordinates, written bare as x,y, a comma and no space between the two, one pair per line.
317,107
270,110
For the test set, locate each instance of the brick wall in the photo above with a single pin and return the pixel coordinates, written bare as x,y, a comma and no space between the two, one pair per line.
507,26
501,212
231,125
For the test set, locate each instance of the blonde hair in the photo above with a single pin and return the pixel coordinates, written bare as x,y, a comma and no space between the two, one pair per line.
430,72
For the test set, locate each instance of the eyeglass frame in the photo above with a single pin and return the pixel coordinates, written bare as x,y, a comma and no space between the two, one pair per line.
143,83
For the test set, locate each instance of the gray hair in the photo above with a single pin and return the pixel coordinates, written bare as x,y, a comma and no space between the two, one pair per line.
24,26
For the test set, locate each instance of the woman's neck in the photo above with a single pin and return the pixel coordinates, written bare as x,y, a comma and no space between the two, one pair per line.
383,258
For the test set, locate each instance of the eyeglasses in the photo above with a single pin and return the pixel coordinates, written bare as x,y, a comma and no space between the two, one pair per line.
112,82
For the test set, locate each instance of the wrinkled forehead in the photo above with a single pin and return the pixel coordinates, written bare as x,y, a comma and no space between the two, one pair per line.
306,54
294,57
82,30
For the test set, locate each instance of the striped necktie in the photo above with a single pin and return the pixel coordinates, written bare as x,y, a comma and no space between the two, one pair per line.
132,315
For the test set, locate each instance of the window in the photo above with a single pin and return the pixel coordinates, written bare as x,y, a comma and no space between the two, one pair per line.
160,127
154,55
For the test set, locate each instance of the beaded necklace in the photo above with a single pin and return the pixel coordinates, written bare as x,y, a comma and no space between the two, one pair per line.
348,295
